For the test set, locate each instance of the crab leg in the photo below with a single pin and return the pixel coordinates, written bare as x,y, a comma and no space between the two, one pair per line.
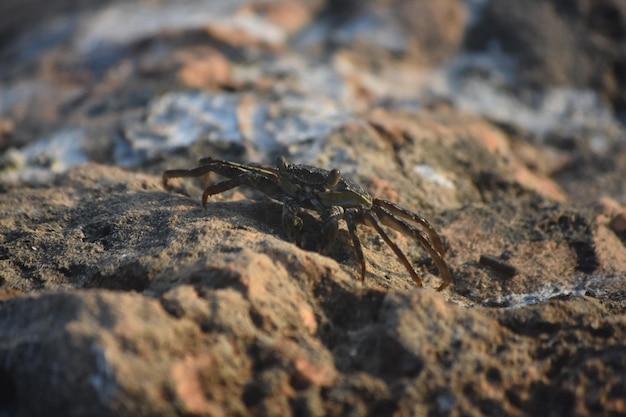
250,179
371,219
388,219
419,220
223,168
330,226
292,222
349,217
264,179
183,173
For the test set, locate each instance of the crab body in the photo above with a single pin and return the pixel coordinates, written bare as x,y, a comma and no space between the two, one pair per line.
331,195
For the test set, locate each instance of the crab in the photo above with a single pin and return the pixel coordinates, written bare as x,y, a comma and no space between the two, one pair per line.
330,194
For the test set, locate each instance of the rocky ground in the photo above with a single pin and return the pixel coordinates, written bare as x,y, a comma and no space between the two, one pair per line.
496,121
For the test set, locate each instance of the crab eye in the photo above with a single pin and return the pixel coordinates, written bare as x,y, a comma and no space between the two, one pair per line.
282,164
333,178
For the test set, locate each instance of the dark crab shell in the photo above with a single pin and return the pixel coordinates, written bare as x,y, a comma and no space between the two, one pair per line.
321,187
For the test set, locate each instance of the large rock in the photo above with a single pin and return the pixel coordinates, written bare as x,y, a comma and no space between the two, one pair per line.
216,313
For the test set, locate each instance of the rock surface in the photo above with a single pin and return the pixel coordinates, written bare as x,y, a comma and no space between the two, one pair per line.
121,298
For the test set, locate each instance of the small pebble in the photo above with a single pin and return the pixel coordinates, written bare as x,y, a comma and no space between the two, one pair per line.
498,265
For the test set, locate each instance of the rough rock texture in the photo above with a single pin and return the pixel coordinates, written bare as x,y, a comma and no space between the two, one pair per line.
121,298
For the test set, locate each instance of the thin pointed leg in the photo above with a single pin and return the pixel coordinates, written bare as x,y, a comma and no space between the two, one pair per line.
330,227
292,223
419,220
263,178
358,250
220,187
371,219
388,219
186,173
